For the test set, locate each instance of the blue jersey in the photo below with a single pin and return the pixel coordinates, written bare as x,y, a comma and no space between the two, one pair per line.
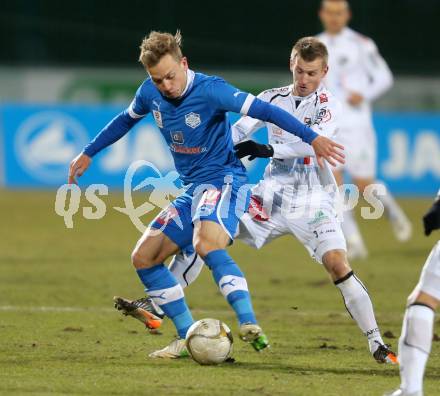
196,126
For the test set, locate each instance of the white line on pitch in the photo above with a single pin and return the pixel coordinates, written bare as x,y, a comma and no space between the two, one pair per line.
53,309
18,308
196,311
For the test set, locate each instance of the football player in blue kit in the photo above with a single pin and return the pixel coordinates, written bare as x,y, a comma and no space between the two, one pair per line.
190,110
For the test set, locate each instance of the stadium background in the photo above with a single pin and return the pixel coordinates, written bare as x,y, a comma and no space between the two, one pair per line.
65,69
78,61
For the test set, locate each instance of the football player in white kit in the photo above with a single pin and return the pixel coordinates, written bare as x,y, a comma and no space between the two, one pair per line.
296,196
357,76
417,330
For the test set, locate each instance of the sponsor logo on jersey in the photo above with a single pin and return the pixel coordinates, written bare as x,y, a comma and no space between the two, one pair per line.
324,115
323,98
177,137
186,150
281,89
193,120
328,116
158,118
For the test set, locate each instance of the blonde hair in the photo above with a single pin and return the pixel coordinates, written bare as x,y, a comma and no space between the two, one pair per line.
157,44
309,49
345,2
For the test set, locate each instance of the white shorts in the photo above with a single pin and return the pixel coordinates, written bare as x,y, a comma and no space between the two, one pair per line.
429,282
318,230
360,152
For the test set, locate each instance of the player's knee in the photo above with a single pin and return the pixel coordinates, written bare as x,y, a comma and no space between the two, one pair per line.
420,297
202,245
140,260
336,264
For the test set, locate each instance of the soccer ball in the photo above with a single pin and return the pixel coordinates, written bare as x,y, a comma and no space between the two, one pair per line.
209,341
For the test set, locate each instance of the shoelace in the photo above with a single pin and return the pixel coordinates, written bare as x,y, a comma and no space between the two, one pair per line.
142,302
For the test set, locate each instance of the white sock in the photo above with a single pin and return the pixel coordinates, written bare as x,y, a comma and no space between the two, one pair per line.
415,346
186,267
359,306
390,205
350,228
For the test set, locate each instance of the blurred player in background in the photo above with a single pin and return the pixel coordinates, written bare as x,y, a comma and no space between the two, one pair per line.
190,110
357,76
296,196
417,330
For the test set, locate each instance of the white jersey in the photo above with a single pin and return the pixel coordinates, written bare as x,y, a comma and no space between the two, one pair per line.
293,163
355,65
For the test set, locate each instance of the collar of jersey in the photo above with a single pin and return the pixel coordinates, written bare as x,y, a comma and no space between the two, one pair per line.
189,82
346,31
308,97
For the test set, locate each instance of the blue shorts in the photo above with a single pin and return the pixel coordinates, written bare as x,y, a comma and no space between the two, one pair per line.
221,202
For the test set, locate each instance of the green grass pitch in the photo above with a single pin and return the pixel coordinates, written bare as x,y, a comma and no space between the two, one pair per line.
59,333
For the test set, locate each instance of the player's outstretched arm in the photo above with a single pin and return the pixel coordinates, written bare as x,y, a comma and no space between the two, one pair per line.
226,97
111,133
78,166
324,147
257,150
375,66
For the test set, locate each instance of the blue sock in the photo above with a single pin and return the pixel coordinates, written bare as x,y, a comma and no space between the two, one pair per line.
232,284
166,292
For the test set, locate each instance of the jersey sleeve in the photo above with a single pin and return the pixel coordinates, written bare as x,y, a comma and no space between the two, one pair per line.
120,125
325,123
226,97
138,107
267,112
379,74
246,125
292,150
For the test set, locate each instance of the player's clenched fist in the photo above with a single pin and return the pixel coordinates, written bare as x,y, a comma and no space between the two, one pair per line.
78,166
329,150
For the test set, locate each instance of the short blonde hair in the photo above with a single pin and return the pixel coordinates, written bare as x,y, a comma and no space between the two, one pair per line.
157,44
345,2
309,49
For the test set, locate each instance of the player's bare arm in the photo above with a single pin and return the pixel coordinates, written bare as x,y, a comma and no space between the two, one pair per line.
324,148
